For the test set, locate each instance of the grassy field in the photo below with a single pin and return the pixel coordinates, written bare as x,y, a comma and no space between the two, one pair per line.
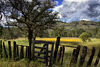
67,56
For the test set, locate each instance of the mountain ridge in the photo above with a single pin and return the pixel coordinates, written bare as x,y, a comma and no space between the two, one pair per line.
79,24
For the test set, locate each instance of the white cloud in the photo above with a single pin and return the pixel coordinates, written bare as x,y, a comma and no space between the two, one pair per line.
75,0
74,10
56,2
57,8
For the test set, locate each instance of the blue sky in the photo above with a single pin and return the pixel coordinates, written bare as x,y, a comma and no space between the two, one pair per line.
76,10
59,1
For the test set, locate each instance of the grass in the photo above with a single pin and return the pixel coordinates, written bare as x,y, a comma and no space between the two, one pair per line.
67,56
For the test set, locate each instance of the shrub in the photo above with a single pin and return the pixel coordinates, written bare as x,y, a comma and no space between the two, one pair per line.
84,36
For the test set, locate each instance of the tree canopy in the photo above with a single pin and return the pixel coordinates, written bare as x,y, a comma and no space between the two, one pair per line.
30,15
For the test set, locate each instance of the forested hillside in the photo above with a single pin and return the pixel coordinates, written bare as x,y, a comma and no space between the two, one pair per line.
79,24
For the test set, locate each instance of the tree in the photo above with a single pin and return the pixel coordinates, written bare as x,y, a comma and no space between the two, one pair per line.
78,32
84,36
30,16
59,31
1,30
93,32
98,34
11,33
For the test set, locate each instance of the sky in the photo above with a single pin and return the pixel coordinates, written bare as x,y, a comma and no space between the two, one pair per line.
76,10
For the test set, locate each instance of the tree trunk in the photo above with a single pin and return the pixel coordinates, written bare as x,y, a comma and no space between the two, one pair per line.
30,36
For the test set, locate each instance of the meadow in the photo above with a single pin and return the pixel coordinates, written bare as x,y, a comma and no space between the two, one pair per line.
67,56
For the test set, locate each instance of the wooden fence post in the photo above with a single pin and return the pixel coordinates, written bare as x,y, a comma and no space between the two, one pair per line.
75,54
56,49
22,52
91,57
51,56
62,54
97,59
46,55
14,50
59,54
17,53
10,53
5,52
0,48
83,55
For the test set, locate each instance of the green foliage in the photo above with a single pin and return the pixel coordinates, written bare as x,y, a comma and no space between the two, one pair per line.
59,31
98,34
84,36
86,25
1,30
75,32
11,33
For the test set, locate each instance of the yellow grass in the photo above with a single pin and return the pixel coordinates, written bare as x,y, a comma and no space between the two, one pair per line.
62,39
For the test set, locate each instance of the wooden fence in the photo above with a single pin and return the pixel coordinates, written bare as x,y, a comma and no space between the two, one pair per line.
47,52
13,52
75,55
17,52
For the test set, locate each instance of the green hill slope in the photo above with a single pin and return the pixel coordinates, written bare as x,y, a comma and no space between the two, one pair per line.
79,24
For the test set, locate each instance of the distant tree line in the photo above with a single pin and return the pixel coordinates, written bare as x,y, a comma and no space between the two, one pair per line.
13,32
62,32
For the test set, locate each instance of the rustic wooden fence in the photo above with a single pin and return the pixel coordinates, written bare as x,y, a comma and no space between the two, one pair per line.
13,52
16,52
82,55
47,52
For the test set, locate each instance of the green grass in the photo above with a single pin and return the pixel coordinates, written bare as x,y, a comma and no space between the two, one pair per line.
66,60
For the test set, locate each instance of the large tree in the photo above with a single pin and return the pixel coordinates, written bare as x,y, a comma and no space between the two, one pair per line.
30,15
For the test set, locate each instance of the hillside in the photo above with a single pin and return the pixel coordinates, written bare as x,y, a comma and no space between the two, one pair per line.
79,24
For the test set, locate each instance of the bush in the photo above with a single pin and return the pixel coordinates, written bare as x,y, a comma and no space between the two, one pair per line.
84,36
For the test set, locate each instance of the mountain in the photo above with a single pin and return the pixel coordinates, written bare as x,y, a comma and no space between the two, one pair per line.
79,24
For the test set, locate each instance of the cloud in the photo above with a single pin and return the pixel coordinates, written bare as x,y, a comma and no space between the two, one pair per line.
75,10
75,0
56,2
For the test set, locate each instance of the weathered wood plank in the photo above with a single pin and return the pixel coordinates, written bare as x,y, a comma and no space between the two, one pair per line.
62,55
83,55
40,52
97,59
56,49
75,55
51,55
5,52
0,49
59,54
17,51
39,42
91,57
14,50
9,46
40,57
40,47
46,55
22,52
